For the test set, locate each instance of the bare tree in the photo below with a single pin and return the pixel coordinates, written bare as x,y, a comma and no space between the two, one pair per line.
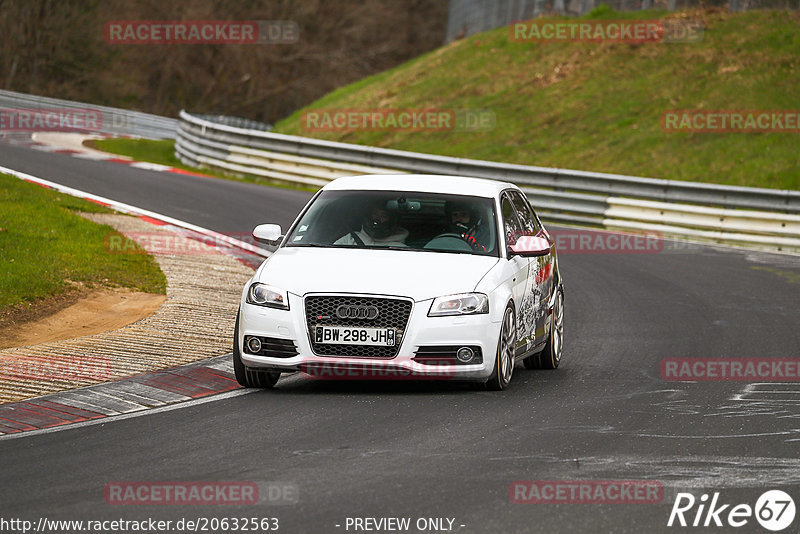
57,48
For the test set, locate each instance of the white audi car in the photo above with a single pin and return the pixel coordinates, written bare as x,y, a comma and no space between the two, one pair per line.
404,276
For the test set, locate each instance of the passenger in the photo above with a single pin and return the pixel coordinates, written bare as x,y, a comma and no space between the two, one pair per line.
380,227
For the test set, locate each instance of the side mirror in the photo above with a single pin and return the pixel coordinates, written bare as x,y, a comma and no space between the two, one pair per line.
269,234
531,245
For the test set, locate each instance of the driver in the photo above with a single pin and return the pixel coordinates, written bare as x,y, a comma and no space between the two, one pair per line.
465,221
380,227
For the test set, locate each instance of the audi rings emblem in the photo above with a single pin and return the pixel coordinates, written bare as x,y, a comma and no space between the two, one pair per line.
356,312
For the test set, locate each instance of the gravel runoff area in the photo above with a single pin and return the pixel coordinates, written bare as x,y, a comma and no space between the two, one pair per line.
195,322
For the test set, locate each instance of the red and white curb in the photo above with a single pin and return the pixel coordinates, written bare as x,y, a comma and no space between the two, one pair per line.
128,396
155,390
73,147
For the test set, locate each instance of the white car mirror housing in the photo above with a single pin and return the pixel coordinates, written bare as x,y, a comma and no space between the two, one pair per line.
269,234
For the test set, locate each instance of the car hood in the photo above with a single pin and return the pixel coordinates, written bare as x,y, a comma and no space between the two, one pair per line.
416,274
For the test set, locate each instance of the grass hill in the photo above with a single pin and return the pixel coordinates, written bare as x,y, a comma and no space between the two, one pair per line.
598,106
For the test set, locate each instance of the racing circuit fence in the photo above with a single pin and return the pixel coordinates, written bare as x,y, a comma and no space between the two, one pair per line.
753,217
107,120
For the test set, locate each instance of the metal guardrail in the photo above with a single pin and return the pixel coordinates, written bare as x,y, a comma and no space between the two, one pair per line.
238,122
742,215
114,121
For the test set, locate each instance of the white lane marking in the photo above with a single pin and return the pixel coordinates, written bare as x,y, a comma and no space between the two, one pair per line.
123,394
44,148
225,365
116,399
127,208
142,390
91,156
121,417
75,399
150,166
70,141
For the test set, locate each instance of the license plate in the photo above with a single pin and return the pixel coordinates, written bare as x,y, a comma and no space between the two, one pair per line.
344,335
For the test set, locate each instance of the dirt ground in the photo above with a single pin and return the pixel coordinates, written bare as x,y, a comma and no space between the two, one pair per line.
96,311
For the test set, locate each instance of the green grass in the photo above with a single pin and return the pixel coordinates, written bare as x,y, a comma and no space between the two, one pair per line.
163,151
153,150
598,107
45,247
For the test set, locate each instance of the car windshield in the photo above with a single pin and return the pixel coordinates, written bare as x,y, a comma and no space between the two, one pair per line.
427,222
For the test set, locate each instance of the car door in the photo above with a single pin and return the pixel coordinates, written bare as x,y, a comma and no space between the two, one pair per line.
520,265
540,276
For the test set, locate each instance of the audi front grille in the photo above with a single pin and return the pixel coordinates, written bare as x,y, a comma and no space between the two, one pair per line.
392,313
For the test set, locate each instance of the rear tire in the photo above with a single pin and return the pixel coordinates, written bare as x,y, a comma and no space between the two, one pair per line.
506,348
550,356
250,377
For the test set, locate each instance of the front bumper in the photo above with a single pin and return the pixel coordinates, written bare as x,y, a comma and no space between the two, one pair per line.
476,331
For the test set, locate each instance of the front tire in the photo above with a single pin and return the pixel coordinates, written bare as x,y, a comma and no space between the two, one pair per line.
250,377
506,348
550,356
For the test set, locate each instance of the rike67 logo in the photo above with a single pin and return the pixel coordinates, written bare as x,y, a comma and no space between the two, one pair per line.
774,510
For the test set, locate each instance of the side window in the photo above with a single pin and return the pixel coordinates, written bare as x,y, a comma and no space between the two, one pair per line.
510,221
526,216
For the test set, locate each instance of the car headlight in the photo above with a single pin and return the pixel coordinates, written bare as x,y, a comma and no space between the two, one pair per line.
266,295
461,304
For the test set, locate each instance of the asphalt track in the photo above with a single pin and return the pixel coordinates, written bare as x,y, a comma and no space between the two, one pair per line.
442,450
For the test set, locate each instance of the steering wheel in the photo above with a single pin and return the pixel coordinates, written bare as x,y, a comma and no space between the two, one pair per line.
449,241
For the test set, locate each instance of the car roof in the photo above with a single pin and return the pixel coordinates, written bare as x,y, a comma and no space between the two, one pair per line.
429,183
